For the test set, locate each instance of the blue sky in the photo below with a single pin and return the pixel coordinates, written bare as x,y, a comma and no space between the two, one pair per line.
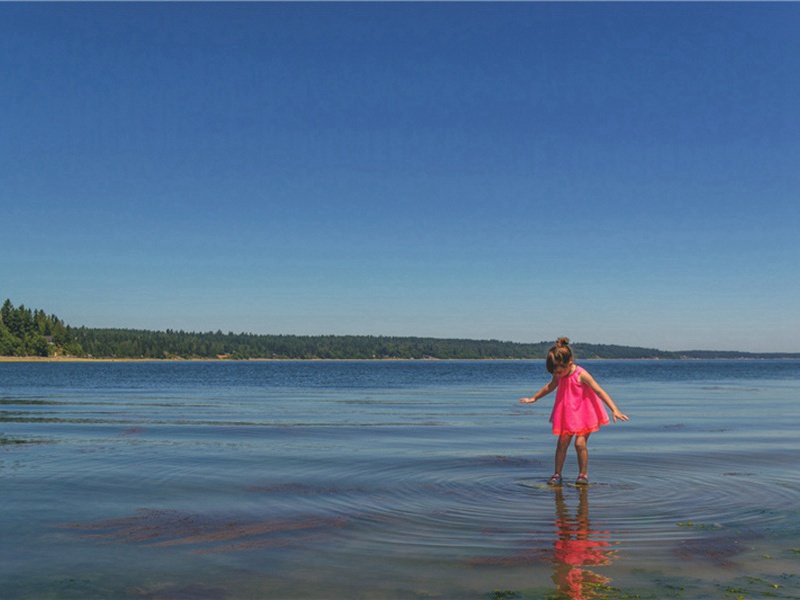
619,173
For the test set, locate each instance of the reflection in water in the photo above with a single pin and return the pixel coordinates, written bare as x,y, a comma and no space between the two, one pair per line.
576,547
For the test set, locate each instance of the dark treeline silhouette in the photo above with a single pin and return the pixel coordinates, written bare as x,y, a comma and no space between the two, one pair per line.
26,332
126,343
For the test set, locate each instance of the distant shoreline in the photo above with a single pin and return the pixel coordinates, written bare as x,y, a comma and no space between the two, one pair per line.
31,336
77,359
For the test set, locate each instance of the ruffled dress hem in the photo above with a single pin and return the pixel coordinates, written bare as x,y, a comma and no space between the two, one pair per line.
581,432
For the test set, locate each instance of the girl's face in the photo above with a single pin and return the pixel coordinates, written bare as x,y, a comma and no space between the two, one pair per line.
562,370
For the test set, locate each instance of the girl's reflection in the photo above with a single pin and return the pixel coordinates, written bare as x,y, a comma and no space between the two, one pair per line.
578,546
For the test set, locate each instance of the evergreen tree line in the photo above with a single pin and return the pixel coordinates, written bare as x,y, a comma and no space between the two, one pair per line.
130,343
127,343
27,332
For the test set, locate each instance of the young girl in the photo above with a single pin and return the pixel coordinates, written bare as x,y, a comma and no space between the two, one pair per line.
578,410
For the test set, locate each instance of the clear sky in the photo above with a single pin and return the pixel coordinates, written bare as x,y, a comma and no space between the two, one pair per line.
618,173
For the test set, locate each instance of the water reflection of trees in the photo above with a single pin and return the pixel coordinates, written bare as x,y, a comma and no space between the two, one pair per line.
578,546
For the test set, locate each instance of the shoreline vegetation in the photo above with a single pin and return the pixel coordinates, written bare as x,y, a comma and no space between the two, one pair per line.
99,360
28,335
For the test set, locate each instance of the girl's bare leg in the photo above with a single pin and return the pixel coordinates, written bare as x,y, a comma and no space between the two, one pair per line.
583,453
561,451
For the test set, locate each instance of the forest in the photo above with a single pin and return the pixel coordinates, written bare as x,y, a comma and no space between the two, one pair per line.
181,344
25,332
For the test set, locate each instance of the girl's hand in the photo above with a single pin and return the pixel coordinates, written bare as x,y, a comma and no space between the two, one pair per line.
618,415
527,400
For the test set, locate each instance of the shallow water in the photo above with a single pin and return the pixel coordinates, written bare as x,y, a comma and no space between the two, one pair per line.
394,480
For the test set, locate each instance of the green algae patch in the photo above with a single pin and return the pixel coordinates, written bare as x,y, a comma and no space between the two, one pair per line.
758,587
4,441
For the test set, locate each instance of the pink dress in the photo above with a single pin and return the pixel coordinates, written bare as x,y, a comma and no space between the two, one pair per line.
577,409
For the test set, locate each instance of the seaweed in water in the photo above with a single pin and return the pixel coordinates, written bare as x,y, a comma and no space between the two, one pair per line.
720,550
4,441
190,592
208,533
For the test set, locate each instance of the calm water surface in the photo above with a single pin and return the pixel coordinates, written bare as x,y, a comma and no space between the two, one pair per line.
394,480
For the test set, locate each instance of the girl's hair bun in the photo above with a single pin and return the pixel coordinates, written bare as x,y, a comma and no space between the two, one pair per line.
559,355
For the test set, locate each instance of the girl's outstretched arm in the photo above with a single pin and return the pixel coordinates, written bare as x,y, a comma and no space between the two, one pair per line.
587,379
542,392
